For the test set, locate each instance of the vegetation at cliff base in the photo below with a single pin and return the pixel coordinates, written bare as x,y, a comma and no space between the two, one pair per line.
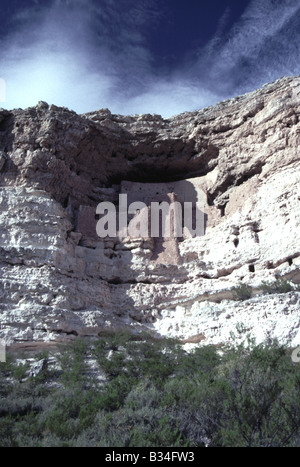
124,390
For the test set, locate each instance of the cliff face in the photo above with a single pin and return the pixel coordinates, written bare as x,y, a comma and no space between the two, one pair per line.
240,158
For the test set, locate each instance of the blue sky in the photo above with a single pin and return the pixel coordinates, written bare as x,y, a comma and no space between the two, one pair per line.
144,56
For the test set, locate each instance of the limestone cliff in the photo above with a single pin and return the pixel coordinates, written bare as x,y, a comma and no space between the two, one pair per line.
59,280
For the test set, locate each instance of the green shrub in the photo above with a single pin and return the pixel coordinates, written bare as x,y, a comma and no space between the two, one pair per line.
242,292
138,356
20,371
7,438
260,406
71,359
69,413
141,421
157,395
279,286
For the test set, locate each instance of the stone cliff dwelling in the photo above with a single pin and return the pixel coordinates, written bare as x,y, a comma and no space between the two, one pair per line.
165,248
239,159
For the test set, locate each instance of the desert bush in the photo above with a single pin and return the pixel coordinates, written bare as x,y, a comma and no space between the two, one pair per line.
201,359
242,292
159,396
260,407
20,371
7,438
279,286
141,422
138,356
63,417
71,358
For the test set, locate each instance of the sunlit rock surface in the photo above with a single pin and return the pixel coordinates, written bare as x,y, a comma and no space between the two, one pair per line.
240,159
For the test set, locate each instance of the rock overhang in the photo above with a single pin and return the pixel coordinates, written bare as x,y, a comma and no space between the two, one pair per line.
242,154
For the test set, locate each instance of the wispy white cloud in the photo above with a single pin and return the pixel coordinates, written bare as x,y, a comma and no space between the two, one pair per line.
85,55
76,54
262,46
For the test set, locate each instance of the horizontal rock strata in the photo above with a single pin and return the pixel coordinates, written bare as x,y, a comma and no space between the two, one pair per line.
240,158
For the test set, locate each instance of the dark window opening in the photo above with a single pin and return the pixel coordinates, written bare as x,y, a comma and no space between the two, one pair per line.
236,242
251,268
222,210
65,202
290,261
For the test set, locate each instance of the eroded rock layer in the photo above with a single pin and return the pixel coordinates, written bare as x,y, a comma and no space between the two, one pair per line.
240,158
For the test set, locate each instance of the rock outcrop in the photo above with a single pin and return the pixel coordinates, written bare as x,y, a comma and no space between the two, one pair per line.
240,158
